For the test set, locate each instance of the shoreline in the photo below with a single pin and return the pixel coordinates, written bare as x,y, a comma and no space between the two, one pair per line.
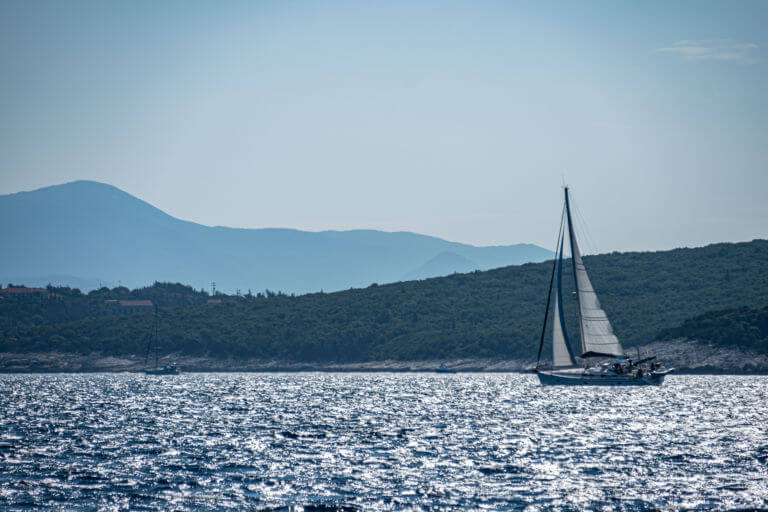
688,357
683,372
53,362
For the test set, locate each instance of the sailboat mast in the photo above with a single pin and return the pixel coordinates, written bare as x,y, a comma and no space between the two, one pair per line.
149,348
571,237
156,340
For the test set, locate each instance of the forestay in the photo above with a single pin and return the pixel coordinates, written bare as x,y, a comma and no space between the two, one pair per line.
561,352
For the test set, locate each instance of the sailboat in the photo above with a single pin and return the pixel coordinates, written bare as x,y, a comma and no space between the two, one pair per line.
168,369
599,358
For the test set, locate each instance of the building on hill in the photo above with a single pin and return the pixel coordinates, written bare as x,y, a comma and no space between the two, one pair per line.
21,290
27,294
213,301
129,306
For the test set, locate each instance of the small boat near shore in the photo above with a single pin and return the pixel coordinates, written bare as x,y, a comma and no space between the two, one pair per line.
168,369
601,359
153,342
444,369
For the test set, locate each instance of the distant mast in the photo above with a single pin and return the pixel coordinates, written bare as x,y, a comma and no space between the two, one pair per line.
157,358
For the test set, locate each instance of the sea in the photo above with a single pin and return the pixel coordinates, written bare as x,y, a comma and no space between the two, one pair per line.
379,441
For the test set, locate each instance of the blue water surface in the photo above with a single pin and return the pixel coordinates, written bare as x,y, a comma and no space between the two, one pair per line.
379,441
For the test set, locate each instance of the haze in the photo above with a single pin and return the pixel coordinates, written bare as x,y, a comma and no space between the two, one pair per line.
459,120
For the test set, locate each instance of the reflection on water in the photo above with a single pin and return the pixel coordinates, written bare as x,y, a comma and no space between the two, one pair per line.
379,442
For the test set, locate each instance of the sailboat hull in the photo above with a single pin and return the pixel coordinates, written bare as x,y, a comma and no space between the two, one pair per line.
161,371
555,378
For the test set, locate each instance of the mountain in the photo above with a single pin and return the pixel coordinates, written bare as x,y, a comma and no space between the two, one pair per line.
96,232
443,264
494,314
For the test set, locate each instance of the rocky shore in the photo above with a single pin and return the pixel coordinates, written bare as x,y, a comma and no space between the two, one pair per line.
691,356
686,356
51,362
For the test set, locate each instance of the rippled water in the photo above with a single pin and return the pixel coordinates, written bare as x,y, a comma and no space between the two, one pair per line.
379,442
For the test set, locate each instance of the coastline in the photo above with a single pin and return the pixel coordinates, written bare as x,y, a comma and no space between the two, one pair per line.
55,362
688,357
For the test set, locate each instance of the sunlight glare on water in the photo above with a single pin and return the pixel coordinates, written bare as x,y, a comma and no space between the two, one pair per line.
379,441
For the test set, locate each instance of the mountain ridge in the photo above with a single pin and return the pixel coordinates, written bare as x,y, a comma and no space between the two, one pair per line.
87,228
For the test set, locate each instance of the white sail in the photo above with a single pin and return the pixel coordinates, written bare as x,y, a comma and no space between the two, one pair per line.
561,355
596,331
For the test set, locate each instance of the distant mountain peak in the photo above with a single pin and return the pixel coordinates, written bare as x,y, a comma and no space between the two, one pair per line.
79,185
445,263
89,228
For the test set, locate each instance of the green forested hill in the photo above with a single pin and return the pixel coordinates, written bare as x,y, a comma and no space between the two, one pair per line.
63,304
482,314
745,327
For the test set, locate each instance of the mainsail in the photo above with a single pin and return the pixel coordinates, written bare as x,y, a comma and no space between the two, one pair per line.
597,338
561,349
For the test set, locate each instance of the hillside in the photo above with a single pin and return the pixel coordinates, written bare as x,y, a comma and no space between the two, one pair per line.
743,327
86,232
495,313
58,305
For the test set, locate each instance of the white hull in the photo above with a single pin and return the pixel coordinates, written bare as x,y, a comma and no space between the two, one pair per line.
581,378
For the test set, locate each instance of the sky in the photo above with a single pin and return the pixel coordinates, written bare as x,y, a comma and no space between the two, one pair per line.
455,119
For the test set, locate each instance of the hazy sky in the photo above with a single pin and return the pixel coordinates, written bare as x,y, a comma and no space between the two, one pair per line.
455,119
